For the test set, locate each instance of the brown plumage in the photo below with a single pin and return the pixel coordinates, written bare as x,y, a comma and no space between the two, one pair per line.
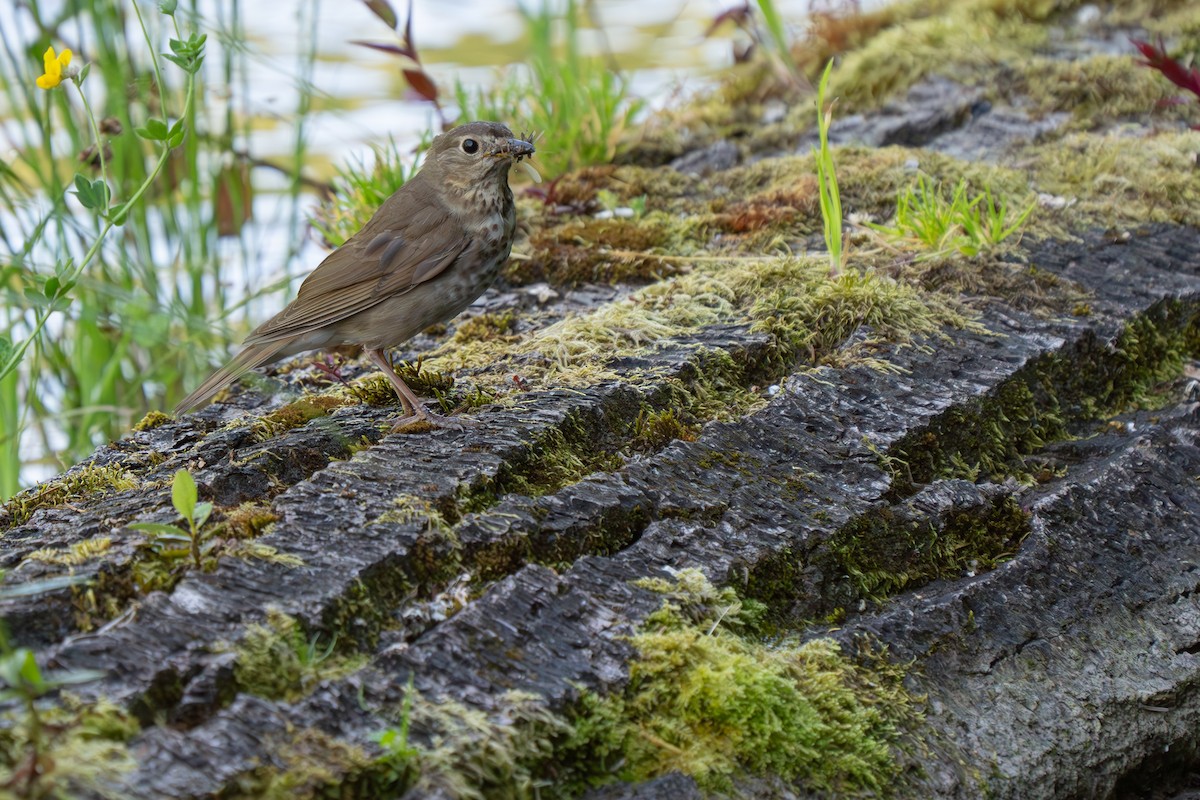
427,253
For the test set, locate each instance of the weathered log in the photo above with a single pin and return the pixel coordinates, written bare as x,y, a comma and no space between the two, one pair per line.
1005,511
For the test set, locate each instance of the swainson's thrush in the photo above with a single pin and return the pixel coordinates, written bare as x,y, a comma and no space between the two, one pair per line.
429,251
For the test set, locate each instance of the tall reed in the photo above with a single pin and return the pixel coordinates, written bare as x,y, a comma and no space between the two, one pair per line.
122,203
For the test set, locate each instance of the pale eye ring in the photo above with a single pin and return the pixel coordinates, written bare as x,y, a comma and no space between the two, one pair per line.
470,146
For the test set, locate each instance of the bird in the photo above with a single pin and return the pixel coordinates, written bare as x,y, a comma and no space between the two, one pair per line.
428,252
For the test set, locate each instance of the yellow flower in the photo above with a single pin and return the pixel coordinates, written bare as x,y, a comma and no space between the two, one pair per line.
55,66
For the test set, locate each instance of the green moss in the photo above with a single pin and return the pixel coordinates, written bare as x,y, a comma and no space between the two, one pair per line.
277,660
706,701
306,763
1167,17
654,430
972,38
792,299
989,436
247,521
376,390
506,755
152,420
993,435
559,457
486,326
102,598
365,608
603,251
883,555
1150,350
77,484
158,564
73,555
82,749
297,413
581,445
1103,88
435,555
1116,183
774,580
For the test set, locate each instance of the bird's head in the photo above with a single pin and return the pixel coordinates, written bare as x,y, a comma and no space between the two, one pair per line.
476,151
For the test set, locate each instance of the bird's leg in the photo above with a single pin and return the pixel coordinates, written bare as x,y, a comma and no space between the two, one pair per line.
408,398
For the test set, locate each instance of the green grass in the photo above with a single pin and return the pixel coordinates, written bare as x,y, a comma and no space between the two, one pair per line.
361,186
577,104
830,197
927,219
779,45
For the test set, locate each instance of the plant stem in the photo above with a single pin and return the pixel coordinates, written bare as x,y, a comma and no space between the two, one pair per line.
112,219
195,541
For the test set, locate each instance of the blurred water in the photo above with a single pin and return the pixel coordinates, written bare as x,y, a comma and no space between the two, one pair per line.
660,44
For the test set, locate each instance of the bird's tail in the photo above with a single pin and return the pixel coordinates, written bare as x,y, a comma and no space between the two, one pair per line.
251,357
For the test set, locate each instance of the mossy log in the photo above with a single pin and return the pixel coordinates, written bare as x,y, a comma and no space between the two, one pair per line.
731,527
1050,623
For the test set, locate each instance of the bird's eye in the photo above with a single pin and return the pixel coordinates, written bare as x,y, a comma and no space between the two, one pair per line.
470,145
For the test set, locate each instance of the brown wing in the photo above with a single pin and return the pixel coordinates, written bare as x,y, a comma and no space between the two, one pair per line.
389,256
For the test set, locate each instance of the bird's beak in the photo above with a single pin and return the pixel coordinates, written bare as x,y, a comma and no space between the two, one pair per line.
515,149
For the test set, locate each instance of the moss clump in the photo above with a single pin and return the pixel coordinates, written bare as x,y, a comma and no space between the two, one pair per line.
486,327
278,660
790,209
1149,353
664,190
435,555
972,37
473,754
298,413
80,746
793,299
884,555
377,390
160,563
1119,182
366,607
602,251
305,764
654,430
987,437
816,321
560,457
73,555
247,521
992,436
77,484
152,420
705,700
1096,90
103,598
